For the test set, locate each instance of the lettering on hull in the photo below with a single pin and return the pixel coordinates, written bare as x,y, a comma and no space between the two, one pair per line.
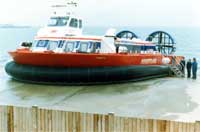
101,58
148,61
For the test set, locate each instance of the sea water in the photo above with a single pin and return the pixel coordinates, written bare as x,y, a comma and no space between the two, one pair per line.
164,98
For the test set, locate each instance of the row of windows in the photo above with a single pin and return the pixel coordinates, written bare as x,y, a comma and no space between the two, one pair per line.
69,46
135,48
63,21
88,46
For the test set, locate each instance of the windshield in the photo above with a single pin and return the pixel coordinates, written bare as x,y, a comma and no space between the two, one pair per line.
58,21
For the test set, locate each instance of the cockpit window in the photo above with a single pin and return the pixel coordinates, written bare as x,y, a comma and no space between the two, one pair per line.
80,23
58,21
73,23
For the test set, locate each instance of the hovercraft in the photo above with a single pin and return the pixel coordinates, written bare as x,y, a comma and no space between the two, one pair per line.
62,55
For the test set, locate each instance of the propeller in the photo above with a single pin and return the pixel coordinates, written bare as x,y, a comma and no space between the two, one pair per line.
164,42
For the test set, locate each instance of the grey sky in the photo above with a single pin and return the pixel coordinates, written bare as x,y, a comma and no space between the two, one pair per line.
108,12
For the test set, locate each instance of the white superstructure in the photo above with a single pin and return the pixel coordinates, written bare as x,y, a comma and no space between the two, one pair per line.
63,22
63,34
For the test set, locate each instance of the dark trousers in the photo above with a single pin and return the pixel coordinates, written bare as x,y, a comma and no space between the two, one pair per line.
183,70
194,74
188,73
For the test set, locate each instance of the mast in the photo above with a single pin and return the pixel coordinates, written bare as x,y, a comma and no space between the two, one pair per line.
67,7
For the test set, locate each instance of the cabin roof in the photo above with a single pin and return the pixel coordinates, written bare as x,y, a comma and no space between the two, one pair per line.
134,42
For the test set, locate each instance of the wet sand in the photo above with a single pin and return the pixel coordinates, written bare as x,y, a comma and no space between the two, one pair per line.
164,98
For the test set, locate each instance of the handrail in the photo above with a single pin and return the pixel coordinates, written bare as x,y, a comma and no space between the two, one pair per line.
177,61
178,66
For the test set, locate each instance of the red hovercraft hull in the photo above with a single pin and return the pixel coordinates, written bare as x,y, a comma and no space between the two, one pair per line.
83,68
83,59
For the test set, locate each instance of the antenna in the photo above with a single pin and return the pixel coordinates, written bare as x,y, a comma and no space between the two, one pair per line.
72,3
67,5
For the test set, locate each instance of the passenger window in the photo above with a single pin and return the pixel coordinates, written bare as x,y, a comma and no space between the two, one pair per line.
52,45
73,23
83,47
136,49
123,49
94,46
98,45
148,48
61,43
80,23
69,46
42,43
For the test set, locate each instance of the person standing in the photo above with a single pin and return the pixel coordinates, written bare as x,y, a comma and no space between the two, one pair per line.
189,68
182,63
194,68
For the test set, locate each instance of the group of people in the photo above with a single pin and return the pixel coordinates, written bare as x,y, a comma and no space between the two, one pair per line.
190,66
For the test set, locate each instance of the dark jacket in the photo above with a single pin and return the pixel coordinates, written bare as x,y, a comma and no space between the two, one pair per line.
194,66
189,65
182,63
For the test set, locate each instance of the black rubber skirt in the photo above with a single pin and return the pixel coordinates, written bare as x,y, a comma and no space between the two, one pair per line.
83,76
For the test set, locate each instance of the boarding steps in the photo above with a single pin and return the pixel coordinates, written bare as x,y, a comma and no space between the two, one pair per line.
176,67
